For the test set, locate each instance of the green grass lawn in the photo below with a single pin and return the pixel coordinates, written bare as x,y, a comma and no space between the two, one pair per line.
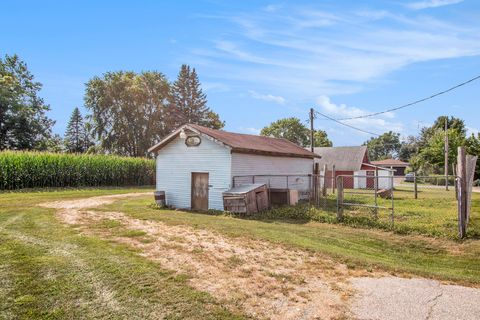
434,213
359,248
50,271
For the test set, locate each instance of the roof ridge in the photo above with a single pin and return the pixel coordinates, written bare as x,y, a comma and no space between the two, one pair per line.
246,134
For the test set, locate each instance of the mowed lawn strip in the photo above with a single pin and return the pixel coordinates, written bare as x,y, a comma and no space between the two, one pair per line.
442,259
434,213
50,271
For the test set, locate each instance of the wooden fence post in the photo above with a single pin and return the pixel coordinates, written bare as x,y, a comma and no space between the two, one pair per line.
316,184
339,197
376,192
324,187
415,187
333,179
462,192
454,172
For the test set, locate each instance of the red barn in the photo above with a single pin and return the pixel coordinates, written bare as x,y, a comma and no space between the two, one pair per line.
347,160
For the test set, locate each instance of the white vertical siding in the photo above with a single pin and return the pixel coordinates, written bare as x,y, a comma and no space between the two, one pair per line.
176,162
251,164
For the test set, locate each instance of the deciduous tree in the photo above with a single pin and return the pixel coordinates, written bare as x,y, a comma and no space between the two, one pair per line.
321,139
128,110
291,129
23,120
385,146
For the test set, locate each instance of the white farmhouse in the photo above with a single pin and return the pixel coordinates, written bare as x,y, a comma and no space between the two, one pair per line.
195,164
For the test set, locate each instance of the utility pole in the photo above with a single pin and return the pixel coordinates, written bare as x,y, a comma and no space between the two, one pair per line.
446,153
312,143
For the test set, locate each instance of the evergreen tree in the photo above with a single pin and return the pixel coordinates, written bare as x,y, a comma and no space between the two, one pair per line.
75,134
189,103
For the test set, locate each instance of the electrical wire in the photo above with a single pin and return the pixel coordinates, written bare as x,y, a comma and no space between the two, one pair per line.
414,102
347,125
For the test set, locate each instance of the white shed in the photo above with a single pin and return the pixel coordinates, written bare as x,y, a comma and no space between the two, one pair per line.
196,164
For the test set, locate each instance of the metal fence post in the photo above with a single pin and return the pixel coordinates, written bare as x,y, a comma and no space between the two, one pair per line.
415,185
462,194
393,201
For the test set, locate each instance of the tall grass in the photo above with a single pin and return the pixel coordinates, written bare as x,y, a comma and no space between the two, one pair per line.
20,170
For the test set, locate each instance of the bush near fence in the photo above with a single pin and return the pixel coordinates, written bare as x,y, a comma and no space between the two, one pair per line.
20,170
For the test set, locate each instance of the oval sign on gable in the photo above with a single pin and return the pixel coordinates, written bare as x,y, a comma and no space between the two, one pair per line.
193,141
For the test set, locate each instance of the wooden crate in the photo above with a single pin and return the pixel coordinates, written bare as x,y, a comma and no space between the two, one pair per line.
249,198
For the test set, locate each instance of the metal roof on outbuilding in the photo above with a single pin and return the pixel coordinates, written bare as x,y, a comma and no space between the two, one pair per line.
344,158
244,143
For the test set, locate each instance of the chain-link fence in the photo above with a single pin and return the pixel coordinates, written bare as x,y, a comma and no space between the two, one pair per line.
424,204
418,204
366,197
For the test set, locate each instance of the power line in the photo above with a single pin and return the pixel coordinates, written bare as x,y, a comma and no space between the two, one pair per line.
347,125
414,102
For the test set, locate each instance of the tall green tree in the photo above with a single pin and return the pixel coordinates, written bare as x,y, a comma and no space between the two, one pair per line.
432,156
291,129
453,123
385,146
128,110
189,103
409,148
76,134
23,120
321,139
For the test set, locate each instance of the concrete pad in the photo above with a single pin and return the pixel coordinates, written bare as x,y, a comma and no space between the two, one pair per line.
393,298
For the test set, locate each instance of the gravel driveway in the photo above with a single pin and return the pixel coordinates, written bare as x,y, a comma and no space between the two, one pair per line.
270,281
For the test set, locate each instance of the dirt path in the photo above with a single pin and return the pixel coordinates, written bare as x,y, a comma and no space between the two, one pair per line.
259,278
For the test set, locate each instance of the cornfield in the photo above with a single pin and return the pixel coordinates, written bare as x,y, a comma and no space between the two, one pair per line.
20,170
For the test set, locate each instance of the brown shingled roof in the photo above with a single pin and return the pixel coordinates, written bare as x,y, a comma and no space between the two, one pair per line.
245,143
390,162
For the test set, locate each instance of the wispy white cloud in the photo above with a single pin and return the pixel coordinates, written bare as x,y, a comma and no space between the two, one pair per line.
249,130
431,4
267,97
215,86
309,52
378,124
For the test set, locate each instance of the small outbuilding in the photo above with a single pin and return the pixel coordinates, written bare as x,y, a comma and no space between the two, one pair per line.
195,165
397,165
345,161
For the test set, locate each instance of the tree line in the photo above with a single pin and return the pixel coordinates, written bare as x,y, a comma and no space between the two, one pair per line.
127,112
425,151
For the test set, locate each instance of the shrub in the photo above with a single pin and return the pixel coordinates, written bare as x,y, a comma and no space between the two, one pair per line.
20,170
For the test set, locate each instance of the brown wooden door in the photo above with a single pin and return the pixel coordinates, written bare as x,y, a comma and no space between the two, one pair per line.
199,191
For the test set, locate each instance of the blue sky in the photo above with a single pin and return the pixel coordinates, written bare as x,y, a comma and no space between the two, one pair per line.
259,61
